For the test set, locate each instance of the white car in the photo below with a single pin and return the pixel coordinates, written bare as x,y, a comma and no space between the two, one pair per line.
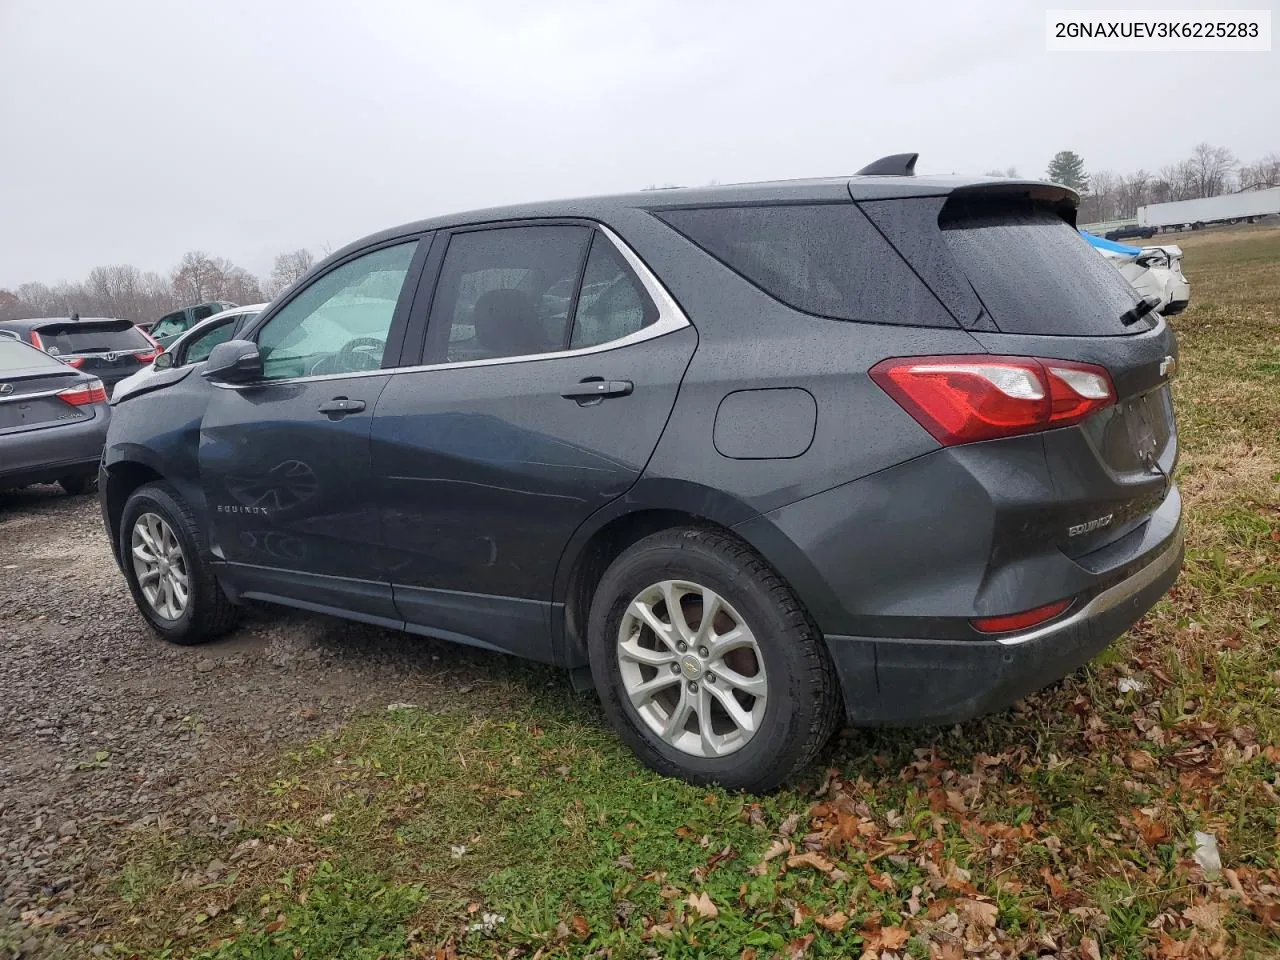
190,348
1153,271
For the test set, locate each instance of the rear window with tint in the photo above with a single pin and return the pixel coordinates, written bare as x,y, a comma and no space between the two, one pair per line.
824,259
16,356
89,337
1035,274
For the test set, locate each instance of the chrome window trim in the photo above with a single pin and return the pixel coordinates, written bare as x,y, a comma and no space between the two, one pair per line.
670,319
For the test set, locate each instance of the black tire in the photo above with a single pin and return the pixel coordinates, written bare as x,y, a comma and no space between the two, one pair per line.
77,483
209,613
803,703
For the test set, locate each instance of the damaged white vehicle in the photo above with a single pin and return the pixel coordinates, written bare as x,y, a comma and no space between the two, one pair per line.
1153,271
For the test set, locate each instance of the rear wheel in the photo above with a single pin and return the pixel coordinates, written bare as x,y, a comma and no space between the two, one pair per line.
706,664
77,483
164,554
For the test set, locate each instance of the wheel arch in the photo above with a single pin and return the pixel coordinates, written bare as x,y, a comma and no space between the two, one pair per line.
648,508
118,484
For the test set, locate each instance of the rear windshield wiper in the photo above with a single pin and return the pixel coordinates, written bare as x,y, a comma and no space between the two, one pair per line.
1139,310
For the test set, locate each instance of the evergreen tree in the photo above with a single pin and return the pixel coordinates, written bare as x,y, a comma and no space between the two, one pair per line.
1067,168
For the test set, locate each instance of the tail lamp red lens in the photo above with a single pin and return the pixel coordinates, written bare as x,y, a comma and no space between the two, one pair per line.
962,399
76,362
1021,621
152,354
85,394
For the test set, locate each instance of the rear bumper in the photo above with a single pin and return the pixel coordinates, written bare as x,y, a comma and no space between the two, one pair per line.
46,454
904,682
1175,307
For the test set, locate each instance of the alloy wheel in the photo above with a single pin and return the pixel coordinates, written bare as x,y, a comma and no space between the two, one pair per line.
692,668
161,566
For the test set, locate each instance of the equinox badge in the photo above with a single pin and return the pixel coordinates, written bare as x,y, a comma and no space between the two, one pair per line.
1090,525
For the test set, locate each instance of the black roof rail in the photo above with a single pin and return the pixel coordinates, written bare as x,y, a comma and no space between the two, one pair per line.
894,165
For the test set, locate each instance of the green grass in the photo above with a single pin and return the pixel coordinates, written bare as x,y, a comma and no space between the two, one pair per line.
521,827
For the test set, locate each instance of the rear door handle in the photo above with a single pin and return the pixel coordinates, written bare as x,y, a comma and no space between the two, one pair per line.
597,388
341,406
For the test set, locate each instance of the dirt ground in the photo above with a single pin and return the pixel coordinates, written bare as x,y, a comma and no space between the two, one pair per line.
107,728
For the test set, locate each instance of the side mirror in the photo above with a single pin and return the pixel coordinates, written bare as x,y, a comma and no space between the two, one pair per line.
236,361
163,362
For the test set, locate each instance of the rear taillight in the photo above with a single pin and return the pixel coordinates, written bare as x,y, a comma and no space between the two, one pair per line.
150,355
85,394
1021,621
961,399
76,362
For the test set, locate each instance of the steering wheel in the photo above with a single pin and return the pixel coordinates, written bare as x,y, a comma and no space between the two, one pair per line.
348,359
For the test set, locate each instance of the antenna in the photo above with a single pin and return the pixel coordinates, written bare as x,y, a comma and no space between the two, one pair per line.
894,165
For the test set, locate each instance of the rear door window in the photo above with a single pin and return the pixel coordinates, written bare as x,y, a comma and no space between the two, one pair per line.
86,336
506,292
823,259
611,303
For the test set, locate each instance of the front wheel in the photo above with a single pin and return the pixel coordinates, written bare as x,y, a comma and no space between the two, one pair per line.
164,562
707,665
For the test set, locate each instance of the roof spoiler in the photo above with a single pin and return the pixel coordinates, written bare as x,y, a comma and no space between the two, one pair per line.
894,165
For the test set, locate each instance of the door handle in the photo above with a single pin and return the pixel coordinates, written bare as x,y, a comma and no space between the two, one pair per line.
597,388
341,406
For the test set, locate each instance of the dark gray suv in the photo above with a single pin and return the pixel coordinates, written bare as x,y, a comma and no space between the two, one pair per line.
749,460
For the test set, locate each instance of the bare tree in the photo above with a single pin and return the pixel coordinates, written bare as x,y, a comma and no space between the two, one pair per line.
197,277
1010,172
1210,169
239,285
288,269
1261,175
1100,203
1132,191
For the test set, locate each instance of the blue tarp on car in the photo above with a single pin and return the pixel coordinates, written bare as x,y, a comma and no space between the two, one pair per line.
1103,244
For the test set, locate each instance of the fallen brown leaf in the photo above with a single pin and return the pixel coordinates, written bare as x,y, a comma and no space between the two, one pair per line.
834,922
1206,916
1140,761
979,913
1089,949
880,881
814,861
799,947
703,905
580,926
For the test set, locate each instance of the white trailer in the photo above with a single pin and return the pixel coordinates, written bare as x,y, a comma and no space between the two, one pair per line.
1228,208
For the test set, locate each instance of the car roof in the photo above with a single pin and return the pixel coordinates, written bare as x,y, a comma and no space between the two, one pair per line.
232,311
813,190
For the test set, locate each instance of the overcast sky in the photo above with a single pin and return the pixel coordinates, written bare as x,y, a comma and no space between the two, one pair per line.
133,130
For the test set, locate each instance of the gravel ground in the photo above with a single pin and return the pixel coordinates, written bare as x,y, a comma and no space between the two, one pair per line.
104,727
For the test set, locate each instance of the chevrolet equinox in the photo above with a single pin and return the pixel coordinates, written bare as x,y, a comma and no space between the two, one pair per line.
750,460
